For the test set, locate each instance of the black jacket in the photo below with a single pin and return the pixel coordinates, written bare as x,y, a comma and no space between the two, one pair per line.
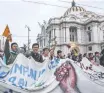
37,57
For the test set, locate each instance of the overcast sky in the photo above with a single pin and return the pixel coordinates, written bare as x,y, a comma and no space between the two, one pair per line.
17,14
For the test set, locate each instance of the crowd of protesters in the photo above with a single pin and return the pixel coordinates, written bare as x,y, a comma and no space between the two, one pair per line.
10,55
97,58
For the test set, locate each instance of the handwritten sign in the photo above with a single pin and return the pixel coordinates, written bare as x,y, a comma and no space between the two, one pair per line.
29,76
26,73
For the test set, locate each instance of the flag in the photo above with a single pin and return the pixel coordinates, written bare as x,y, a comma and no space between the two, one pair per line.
6,33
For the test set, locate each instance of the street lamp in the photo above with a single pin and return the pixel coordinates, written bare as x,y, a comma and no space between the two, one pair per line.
28,36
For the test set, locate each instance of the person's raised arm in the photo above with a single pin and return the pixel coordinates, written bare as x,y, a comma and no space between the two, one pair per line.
7,49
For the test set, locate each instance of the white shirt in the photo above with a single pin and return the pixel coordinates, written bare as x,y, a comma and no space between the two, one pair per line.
45,58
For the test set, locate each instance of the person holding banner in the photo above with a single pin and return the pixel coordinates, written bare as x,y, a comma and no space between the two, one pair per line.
10,56
102,58
59,54
36,56
52,54
97,57
45,53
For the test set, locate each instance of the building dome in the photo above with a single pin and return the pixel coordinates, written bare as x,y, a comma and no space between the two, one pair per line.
74,9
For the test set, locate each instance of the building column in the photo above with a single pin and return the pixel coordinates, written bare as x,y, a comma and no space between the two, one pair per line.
61,35
67,35
57,34
79,37
75,35
95,34
64,35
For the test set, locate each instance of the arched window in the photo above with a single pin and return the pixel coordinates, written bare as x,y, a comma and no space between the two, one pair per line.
54,33
50,36
89,36
73,34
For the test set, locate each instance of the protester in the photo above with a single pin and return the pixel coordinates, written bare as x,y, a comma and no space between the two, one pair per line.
91,59
22,50
85,55
90,56
102,58
97,57
73,56
69,55
79,58
63,56
10,56
45,53
36,56
52,55
59,54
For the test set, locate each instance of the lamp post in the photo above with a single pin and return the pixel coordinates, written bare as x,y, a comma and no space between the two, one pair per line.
28,36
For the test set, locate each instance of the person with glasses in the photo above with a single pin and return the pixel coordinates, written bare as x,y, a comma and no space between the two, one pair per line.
36,56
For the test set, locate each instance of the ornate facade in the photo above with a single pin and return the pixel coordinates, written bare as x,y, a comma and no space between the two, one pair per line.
78,25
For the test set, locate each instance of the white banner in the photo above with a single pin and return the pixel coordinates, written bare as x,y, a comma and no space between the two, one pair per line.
31,75
56,76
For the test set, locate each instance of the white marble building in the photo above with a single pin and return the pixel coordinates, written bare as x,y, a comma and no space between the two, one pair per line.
78,25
